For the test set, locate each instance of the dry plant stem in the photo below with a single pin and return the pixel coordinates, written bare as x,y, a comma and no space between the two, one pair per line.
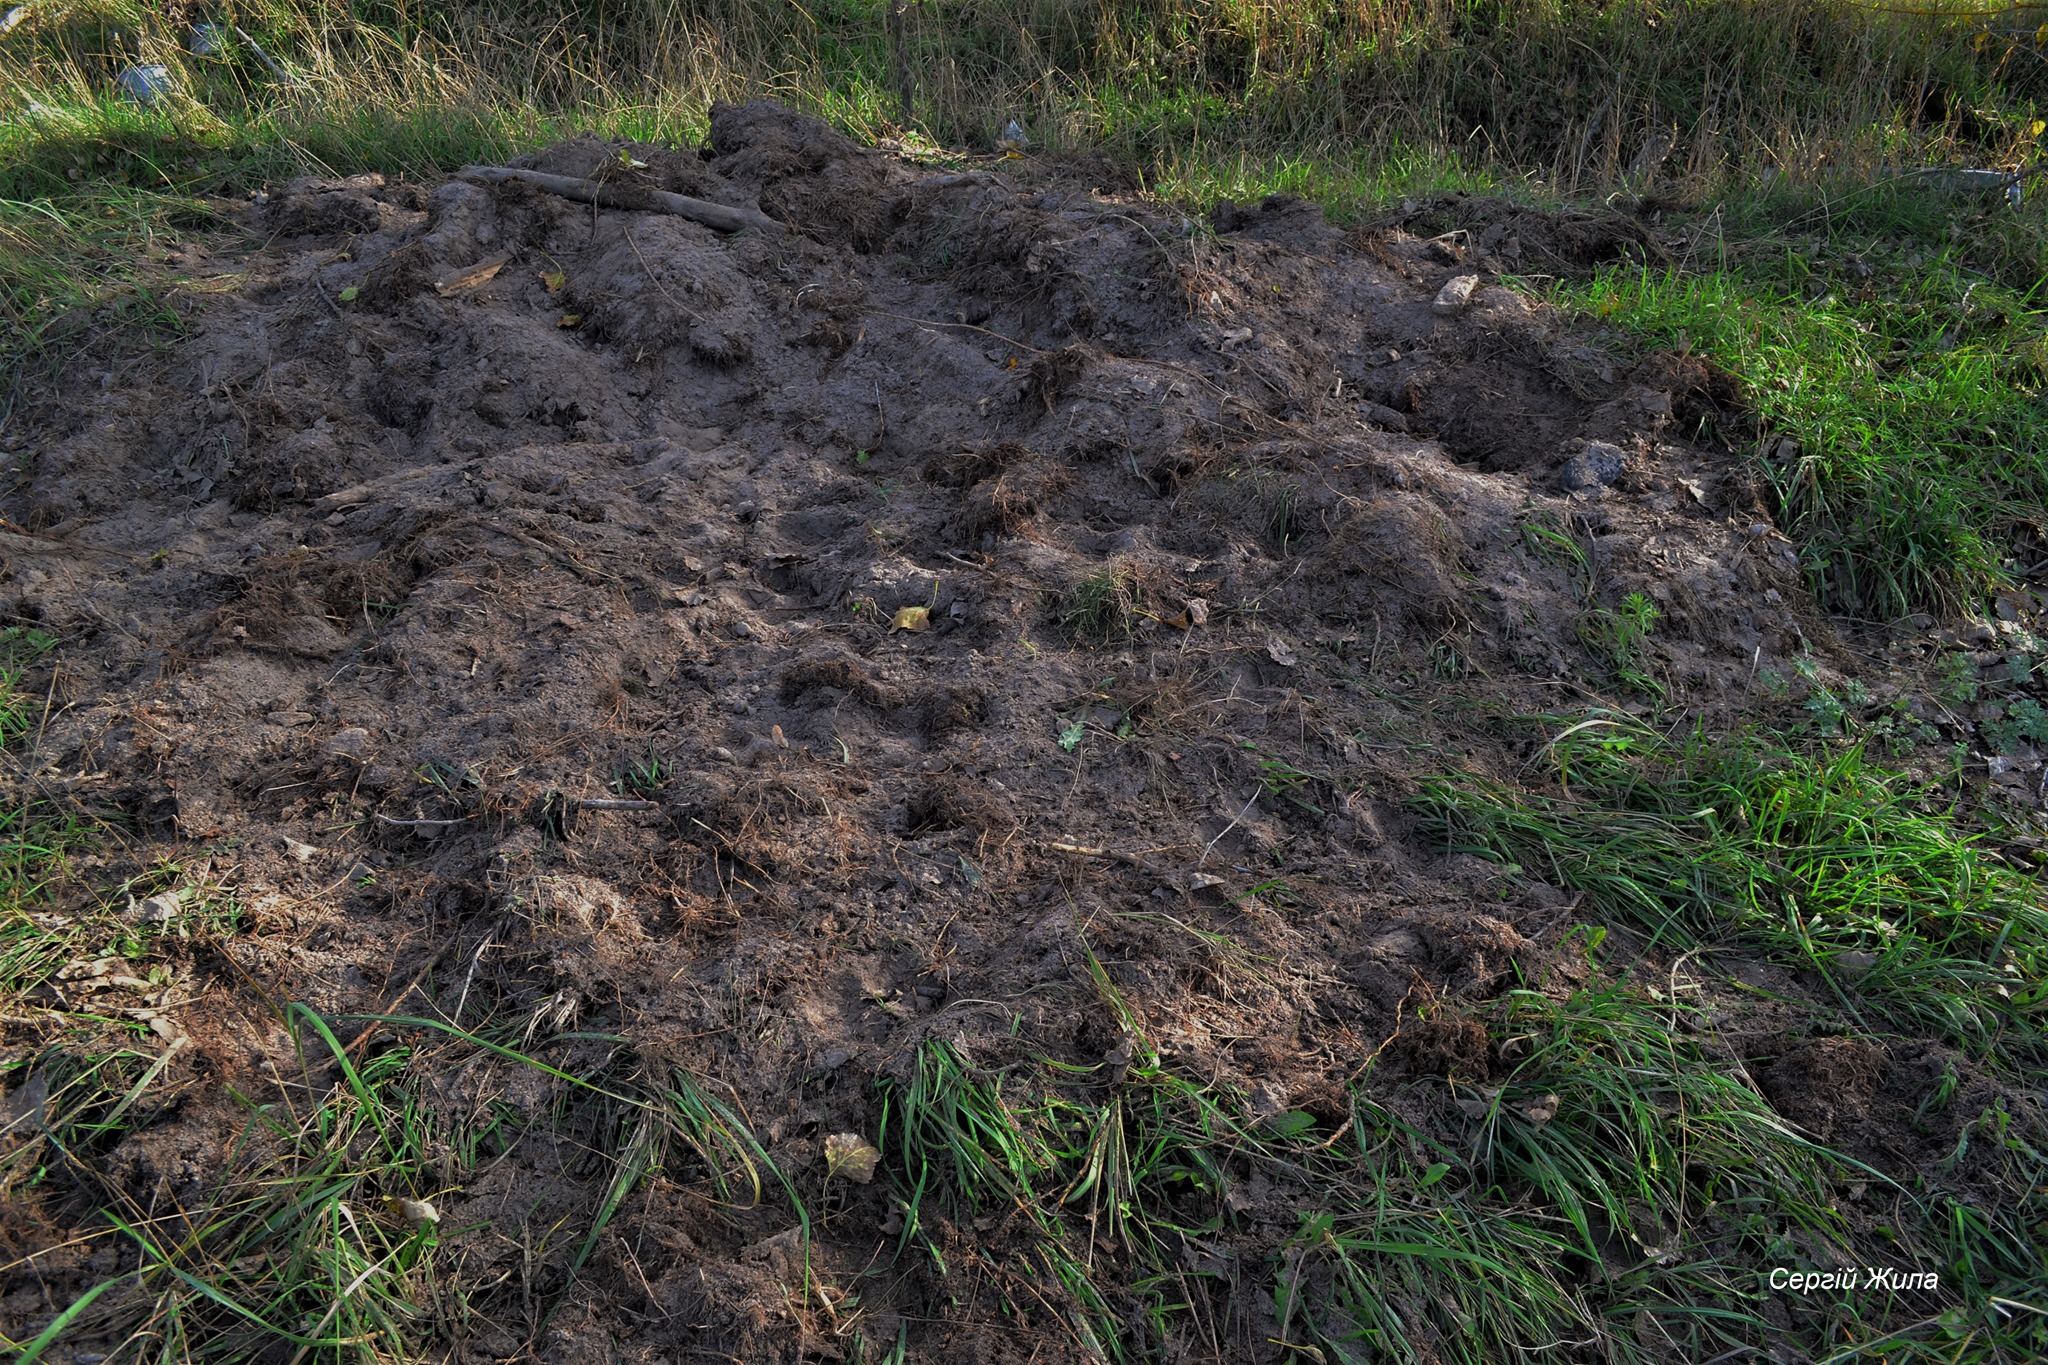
723,217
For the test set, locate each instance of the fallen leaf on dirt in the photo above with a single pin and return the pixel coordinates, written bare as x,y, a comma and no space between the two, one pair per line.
1480,1106
1538,1111
414,1211
1280,652
912,618
304,853
469,277
554,280
348,295
569,320
1198,611
851,1156
1292,1124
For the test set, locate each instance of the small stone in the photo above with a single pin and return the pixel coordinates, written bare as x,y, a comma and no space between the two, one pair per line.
304,853
160,909
742,630
354,742
1456,295
1596,466
289,718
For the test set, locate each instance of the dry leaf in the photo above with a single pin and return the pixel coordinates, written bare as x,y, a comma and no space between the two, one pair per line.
1198,611
554,280
1280,652
1540,1110
414,1211
469,277
570,320
1478,1108
851,1156
912,618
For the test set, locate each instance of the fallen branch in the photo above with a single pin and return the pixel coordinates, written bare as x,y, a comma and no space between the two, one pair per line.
723,217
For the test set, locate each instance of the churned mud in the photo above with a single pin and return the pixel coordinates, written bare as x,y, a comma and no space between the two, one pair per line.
985,577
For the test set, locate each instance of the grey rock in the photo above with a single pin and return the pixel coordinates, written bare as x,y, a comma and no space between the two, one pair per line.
1598,465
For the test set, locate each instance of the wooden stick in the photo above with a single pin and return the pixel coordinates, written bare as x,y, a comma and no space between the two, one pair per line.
723,217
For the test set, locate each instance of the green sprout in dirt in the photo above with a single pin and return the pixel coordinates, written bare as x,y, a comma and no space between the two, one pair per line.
1553,542
1618,637
19,646
1103,607
1278,777
643,777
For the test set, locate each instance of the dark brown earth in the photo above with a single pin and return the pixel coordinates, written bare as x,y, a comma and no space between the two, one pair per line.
363,588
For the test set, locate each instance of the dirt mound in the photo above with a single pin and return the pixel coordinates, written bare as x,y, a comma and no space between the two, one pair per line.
776,653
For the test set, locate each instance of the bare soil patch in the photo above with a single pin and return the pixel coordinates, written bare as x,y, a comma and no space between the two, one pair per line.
1216,536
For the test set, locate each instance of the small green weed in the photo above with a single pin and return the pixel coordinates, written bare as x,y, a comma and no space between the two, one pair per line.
1618,637
644,777
1102,608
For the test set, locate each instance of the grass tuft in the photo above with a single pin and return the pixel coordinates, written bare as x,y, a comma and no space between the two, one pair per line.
1826,863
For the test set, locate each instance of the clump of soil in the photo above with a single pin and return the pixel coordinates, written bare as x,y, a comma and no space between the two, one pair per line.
366,588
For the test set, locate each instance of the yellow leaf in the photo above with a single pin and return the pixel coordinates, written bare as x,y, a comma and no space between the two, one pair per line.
912,618
852,1156
2037,127
554,280
570,320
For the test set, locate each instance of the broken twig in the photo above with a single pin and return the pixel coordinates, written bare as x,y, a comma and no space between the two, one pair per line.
723,217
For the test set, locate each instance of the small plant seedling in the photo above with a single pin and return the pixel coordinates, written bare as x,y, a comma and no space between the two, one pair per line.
1071,735
1618,637
861,458
643,777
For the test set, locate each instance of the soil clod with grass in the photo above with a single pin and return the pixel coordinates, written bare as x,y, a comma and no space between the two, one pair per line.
992,771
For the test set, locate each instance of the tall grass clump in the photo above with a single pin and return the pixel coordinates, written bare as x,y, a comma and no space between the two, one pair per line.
1826,863
1904,438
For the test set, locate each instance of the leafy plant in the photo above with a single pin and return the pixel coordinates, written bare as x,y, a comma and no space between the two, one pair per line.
1618,637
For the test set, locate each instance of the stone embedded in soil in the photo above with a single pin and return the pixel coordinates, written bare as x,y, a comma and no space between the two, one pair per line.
1456,296
1597,465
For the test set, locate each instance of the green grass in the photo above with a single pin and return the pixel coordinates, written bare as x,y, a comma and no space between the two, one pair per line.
1825,862
1101,609
20,709
323,1238
1621,1181
1904,434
